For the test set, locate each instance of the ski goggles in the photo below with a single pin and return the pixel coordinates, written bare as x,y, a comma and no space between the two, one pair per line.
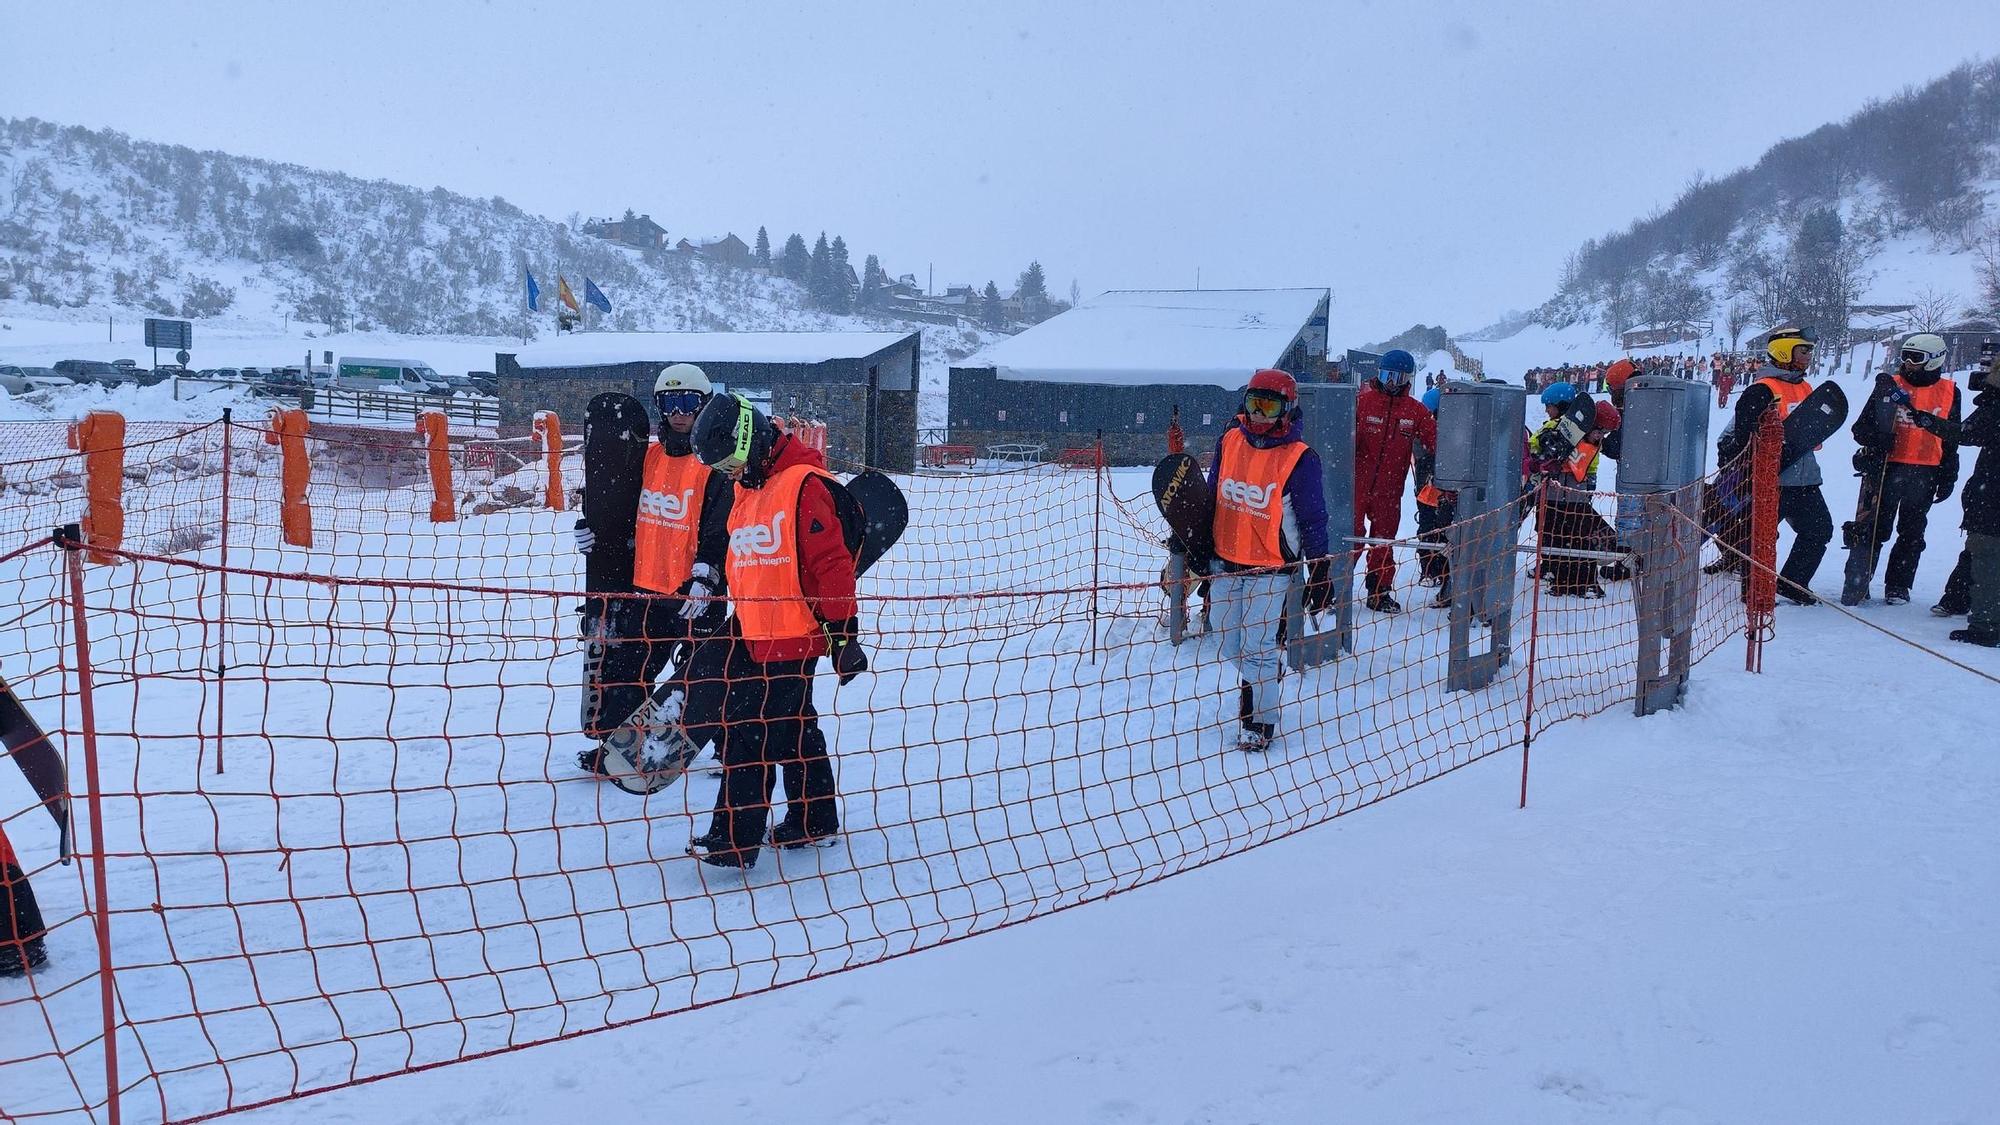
746,429
679,402
1269,408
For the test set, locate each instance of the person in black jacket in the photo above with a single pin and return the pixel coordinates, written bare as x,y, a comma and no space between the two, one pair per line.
1904,469
1781,385
1981,502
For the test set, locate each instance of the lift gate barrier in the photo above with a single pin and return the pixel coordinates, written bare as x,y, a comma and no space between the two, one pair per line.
1664,453
1479,429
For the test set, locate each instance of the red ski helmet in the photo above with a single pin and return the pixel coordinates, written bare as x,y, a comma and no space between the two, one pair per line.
1269,388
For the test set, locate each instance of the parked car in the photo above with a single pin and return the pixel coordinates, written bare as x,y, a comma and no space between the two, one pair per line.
89,371
485,382
26,380
459,384
281,382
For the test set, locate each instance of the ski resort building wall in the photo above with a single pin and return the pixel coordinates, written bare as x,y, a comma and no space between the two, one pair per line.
863,385
1121,362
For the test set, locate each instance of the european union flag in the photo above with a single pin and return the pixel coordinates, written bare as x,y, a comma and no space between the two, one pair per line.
592,295
534,292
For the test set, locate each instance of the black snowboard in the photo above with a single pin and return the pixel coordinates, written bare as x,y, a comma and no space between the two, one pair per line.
31,750
614,457
1812,421
885,513
1578,418
1185,502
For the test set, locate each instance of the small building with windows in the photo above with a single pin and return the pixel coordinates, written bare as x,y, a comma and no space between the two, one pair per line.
1123,361
863,385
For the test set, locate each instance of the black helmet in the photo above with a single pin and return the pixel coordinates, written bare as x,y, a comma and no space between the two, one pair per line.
730,434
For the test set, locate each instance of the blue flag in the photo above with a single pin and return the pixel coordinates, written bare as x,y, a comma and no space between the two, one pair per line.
534,292
592,295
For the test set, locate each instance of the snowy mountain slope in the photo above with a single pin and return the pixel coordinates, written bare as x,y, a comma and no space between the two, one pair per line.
94,221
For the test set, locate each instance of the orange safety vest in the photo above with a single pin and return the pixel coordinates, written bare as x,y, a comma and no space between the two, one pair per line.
1250,500
1914,446
1582,460
1789,394
764,558
663,544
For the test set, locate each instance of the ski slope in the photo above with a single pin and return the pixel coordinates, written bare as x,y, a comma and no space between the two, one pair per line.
1679,885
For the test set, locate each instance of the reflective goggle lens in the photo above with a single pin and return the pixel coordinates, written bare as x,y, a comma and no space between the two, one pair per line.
679,402
1264,406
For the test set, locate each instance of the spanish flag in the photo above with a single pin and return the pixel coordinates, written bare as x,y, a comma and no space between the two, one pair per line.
568,298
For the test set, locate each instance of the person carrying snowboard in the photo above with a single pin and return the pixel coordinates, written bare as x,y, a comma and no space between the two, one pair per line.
1436,509
678,543
1565,463
1389,426
1981,504
790,575
1904,469
1270,514
1781,385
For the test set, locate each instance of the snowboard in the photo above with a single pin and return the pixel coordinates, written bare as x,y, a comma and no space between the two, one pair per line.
873,515
1858,536
31,750
1812,421
1564,441
615,429
1181,492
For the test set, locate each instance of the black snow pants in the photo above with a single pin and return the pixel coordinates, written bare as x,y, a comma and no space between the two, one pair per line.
770,727
1803,509
1902,506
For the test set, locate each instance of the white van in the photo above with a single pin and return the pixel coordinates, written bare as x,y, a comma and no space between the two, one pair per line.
405,376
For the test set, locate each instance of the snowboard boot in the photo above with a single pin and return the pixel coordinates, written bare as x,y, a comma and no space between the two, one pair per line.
1256,737
1796,596
1246,703
712,847
1984,638
1384,603
591,761
1896,597
1590,590
1945,609
790,835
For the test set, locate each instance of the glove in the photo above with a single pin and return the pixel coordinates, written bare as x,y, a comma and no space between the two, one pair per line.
1319,585
1866,460
1899,396
1925,421
1944,487
585,538
844,637
698,592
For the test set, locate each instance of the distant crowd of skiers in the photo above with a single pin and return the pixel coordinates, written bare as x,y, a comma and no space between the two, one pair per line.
1725,371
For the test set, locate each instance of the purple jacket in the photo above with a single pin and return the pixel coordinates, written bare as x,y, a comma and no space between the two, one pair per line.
1305,489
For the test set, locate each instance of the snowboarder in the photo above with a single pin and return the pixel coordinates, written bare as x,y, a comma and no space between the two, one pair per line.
790,573
1781,385
1903,469
1436,509
1567,466
1981,503
1389,427
678,542
1270,513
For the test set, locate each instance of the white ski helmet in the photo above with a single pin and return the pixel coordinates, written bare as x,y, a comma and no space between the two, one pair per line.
683,377
1925,351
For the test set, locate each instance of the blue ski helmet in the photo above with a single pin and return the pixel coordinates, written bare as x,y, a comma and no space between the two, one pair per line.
1396,359
1431,398
1557,394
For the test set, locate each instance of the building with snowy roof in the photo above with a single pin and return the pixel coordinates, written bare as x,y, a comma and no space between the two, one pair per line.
1122,361
863,385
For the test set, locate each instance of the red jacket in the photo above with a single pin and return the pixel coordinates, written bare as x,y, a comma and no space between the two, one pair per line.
1387,429
826,570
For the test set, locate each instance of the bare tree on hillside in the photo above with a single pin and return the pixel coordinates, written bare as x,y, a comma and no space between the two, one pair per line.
1986,249
1933,310
1735,321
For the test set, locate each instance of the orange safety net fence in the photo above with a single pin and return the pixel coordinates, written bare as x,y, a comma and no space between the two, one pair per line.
341,831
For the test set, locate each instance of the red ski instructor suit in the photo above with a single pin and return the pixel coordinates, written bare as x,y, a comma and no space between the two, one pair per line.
1387,430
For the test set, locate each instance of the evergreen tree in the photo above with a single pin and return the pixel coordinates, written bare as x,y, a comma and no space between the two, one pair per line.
1032,283
763,248
820,273
872,281
840,298
794,263
996,317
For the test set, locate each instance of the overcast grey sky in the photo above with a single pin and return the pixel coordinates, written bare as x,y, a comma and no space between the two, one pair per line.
1429,161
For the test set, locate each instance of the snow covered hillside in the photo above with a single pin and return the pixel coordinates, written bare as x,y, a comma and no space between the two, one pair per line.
94,222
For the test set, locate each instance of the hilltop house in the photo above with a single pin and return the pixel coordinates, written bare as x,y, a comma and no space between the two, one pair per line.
637,231
727,250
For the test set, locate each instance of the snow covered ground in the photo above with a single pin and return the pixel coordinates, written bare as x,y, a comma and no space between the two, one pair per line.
1775,904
